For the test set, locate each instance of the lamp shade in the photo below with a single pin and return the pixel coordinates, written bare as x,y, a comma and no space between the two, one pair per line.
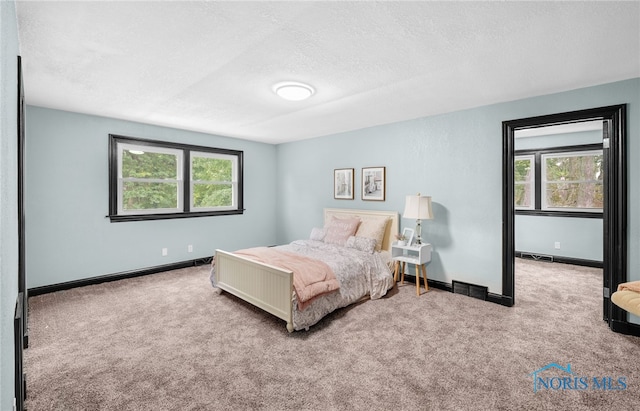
418,207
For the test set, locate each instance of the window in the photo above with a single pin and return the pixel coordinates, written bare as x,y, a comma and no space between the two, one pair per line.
154,180
524,178
149,179
565,181
213,181
572,181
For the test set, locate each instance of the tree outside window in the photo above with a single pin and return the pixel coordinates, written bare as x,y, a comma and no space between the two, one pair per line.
524,177
573,181
212,180
150,179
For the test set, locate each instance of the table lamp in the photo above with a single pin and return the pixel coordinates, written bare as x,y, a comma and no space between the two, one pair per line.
419,208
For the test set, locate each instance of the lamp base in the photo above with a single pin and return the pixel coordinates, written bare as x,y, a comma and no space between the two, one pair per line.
418,232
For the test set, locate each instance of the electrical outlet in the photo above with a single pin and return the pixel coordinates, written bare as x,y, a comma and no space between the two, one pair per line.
190,248
165,251
557,245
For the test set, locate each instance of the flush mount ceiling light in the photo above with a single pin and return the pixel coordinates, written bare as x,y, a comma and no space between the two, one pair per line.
291,90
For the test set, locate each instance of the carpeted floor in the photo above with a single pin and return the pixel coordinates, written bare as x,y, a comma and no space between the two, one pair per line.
168,342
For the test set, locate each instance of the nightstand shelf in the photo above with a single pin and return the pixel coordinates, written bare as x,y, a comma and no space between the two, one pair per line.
419,255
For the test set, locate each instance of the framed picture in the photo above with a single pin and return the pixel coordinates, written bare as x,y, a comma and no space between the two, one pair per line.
343,184
408,235
373,183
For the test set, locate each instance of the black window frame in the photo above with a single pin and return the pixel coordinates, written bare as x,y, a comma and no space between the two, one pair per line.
537,153
115,139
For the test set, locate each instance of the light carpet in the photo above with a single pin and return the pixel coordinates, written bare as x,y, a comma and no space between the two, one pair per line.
168,342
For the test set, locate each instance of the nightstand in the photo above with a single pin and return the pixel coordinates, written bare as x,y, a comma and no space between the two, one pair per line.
419,255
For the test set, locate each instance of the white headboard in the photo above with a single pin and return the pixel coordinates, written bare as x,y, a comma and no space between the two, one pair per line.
393,226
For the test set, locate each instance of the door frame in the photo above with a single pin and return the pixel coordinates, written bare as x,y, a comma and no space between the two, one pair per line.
615,201
21,326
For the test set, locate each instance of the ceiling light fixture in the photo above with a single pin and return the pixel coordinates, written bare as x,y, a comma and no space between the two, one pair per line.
291,90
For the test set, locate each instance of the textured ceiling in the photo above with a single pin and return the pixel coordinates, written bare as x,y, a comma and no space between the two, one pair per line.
210,66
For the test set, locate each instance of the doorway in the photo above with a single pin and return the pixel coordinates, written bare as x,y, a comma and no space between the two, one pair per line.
614,215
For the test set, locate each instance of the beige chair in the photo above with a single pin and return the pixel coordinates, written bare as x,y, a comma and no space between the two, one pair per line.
628,297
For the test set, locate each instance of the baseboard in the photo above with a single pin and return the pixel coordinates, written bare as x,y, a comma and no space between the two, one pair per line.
500,299
441,285
45,289
625,328
559,259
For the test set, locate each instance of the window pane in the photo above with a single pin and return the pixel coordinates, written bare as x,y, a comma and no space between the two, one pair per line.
144,196
211,169
523,174
522,170
574,168
522,195
212,195
574,195
138,164
574,180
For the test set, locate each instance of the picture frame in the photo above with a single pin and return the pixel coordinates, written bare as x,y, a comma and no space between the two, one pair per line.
408,235
373,184
343,179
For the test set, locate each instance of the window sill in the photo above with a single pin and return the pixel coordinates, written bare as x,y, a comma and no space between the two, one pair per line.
575,214
168,216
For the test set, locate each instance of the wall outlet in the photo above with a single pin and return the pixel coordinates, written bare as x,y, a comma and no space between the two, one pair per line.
165,251
190,248
557,245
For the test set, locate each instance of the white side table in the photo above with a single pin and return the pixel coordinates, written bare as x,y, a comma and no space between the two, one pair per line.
419,255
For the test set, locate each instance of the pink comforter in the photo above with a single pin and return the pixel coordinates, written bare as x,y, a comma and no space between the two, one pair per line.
311,277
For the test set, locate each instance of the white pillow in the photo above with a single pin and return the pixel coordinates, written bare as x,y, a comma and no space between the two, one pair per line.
366,244
317,234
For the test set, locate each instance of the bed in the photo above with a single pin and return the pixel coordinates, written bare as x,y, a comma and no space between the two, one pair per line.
361,265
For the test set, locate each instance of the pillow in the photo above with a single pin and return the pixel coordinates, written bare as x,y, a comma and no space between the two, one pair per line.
340,229
317,234
366,244
373,227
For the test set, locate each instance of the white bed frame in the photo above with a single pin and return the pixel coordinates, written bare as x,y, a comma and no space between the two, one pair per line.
271,288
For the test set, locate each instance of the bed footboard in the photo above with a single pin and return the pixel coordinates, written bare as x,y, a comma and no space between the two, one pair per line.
265,286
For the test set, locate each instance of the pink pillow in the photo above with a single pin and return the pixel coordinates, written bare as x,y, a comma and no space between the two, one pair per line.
340,229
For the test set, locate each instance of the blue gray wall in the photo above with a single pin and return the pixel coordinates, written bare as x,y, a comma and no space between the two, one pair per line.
68,235
457,159
580,238
8,197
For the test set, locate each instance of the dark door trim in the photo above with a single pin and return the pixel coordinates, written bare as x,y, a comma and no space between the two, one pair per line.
22,271
615,209
21,330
